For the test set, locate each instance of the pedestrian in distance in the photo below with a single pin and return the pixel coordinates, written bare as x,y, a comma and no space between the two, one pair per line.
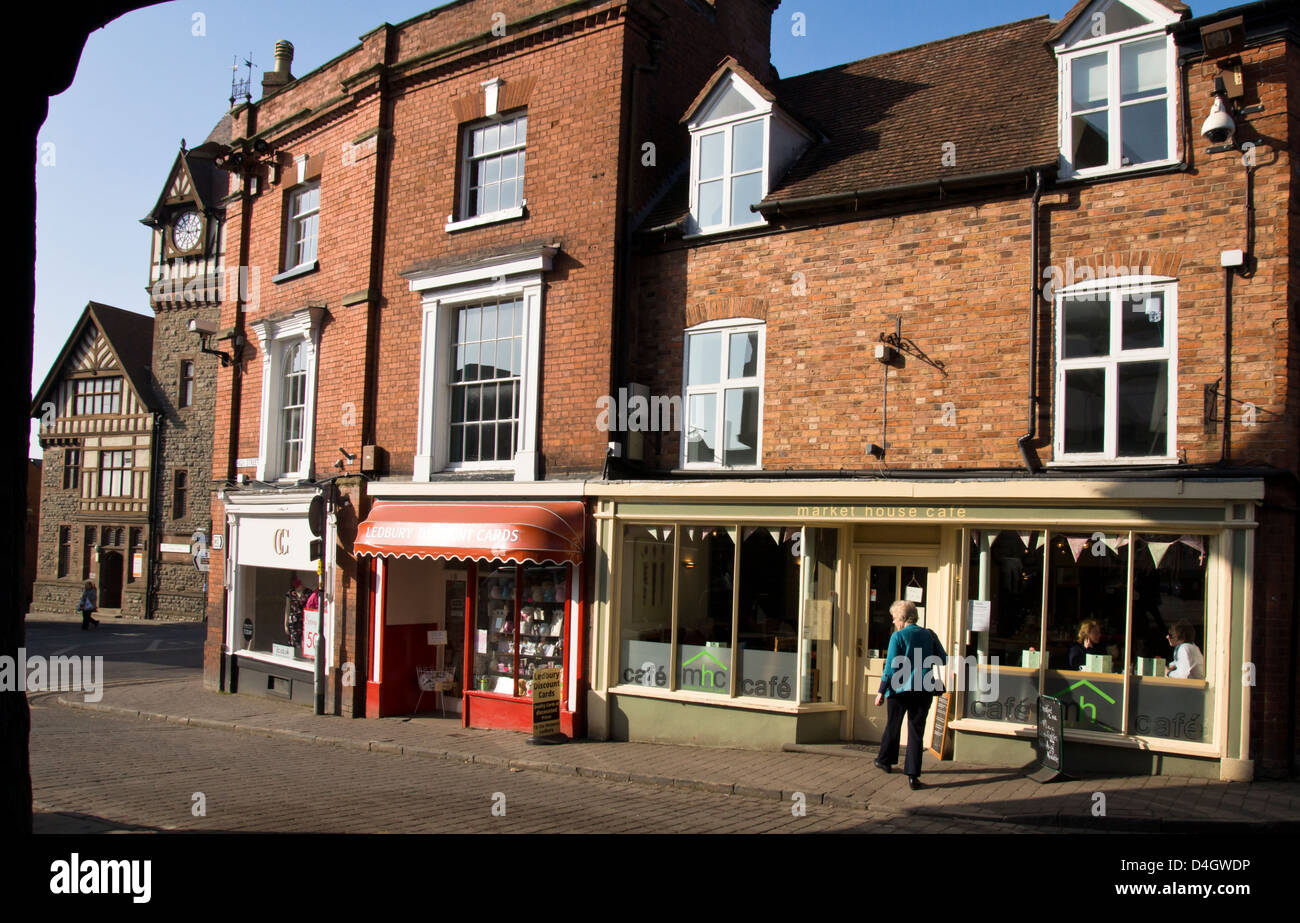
907,687
88,605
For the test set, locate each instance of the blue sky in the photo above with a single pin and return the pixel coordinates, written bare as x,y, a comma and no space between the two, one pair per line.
160,74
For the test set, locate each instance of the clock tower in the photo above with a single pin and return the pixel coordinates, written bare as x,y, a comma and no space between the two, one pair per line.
187,277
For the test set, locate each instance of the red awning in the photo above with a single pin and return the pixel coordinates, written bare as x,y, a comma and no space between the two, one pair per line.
519,532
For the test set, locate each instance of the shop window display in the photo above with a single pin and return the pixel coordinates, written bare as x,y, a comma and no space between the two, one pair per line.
519,625
273,624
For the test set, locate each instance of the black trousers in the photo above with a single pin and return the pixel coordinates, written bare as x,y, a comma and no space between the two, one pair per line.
88,618
916,705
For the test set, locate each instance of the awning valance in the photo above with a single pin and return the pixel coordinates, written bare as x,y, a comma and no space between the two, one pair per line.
519,532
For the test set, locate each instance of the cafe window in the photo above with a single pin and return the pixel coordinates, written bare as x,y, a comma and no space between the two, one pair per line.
1006,586
706,576
646,605
1087,601
1082,650
756,610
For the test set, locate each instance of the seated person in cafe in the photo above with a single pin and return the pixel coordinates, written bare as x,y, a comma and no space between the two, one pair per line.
1089,643
1187,661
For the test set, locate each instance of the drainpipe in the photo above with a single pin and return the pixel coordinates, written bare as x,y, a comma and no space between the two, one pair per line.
1026,453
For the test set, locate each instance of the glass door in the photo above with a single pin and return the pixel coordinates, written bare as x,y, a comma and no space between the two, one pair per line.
881,580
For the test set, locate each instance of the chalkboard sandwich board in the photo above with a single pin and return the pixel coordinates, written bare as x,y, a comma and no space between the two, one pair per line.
939,736
1051,752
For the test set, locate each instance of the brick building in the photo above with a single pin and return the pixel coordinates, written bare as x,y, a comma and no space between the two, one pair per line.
961,324
985,324
438,219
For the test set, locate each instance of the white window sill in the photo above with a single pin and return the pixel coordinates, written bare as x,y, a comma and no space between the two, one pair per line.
697,467
1153,461
295,272
723,229
1069,173
508,214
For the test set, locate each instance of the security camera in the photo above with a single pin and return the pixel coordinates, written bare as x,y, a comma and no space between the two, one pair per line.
1218,126
205,327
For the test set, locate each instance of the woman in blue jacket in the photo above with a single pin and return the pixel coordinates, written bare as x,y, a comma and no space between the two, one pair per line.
906,687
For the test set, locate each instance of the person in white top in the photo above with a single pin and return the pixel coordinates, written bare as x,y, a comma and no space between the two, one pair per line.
1187,662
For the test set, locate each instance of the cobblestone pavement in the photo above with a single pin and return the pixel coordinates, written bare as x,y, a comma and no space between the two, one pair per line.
96,773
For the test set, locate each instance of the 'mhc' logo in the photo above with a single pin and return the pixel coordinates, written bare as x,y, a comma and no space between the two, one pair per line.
704,676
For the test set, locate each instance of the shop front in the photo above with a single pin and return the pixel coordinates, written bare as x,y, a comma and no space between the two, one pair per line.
736,615
277,595
469,601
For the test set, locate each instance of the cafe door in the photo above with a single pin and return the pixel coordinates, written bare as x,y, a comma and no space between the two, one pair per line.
880,580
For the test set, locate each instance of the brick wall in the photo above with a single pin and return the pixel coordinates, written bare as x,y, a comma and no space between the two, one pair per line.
959,277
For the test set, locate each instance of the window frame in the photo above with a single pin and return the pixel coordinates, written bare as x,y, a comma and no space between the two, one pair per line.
517,275
184,394
734,695
72,468
761,112
1115,290
102,391
275,338
126,471
1079,44
466,162
728,327
63,566
180,493
452,341
294,219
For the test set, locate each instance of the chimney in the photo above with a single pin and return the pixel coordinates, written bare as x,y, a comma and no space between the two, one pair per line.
273,80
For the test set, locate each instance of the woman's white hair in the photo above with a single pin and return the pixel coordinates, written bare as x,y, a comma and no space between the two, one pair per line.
904,608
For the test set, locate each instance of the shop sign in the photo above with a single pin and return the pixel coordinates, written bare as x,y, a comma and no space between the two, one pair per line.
282,650
310,632
248,629
275,541
137,564
546,702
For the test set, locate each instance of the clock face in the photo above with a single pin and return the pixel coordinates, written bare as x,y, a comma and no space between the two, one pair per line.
186,230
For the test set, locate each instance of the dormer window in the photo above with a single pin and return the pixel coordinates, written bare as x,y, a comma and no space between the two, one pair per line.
1117,79
735,130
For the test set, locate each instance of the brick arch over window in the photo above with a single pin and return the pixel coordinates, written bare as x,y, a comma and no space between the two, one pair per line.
1116,262
726,307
